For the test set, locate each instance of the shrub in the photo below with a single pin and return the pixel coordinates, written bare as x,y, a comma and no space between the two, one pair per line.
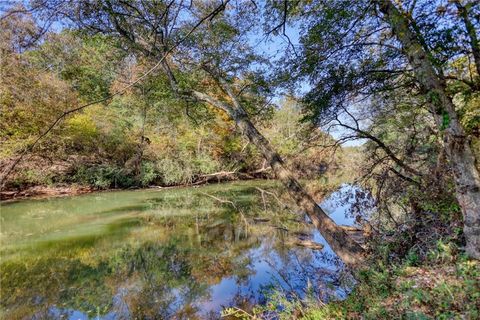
31,177
103,177
148,174
172,171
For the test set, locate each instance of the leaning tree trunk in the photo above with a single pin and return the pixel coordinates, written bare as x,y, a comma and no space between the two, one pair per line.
457,145
343,245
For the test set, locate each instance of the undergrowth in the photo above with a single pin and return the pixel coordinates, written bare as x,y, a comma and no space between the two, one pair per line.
443,284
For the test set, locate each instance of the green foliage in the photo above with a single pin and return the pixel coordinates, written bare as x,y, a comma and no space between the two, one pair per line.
469,111
412,258
151,136
444,252
440,201
81,132
447,295
148,174
103,177
32,177
172,172
445,120
87,62
204,164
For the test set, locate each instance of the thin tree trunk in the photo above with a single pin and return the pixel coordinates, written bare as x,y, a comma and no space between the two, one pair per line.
474,44
141,146
345,247
457,145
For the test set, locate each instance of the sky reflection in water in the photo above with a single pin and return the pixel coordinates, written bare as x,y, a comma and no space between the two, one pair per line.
149,254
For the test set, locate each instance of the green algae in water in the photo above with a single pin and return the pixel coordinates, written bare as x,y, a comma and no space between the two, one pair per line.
154,254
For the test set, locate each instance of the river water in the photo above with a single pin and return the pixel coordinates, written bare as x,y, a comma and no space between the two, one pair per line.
182,253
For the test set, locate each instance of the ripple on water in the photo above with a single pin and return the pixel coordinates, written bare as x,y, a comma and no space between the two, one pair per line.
161,253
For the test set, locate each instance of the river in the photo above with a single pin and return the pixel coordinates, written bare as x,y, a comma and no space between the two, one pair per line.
182,253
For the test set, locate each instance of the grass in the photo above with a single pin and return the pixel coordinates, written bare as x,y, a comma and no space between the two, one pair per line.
438,288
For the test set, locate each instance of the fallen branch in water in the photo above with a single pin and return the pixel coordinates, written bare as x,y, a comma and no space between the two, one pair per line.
273,195
309,244
228,175
220,173
230,203
220,200
351,228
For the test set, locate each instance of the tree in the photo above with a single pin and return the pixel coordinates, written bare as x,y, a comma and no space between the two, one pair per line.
457,144
28,93
219,59
367,54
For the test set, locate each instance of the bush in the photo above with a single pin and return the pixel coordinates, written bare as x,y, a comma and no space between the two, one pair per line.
30,177
148,174
103,177
173,172
204,164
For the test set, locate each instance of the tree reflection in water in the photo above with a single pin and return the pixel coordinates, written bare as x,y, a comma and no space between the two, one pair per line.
161,255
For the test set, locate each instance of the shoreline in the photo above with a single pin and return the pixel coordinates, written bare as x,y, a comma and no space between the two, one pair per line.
58,191
41,192
37,192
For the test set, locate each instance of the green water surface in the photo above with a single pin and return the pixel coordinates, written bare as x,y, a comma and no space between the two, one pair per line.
182,253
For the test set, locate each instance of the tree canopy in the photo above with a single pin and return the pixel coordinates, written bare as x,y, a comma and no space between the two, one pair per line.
118,94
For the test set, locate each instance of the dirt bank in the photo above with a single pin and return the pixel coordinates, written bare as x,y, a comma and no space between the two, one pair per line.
44,191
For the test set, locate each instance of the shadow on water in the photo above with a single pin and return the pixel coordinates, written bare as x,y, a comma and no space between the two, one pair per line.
160,254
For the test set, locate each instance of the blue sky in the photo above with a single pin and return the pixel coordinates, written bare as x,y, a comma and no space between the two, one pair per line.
271,46
274,47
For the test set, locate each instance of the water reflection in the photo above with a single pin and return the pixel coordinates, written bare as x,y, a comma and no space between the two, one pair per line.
180,253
